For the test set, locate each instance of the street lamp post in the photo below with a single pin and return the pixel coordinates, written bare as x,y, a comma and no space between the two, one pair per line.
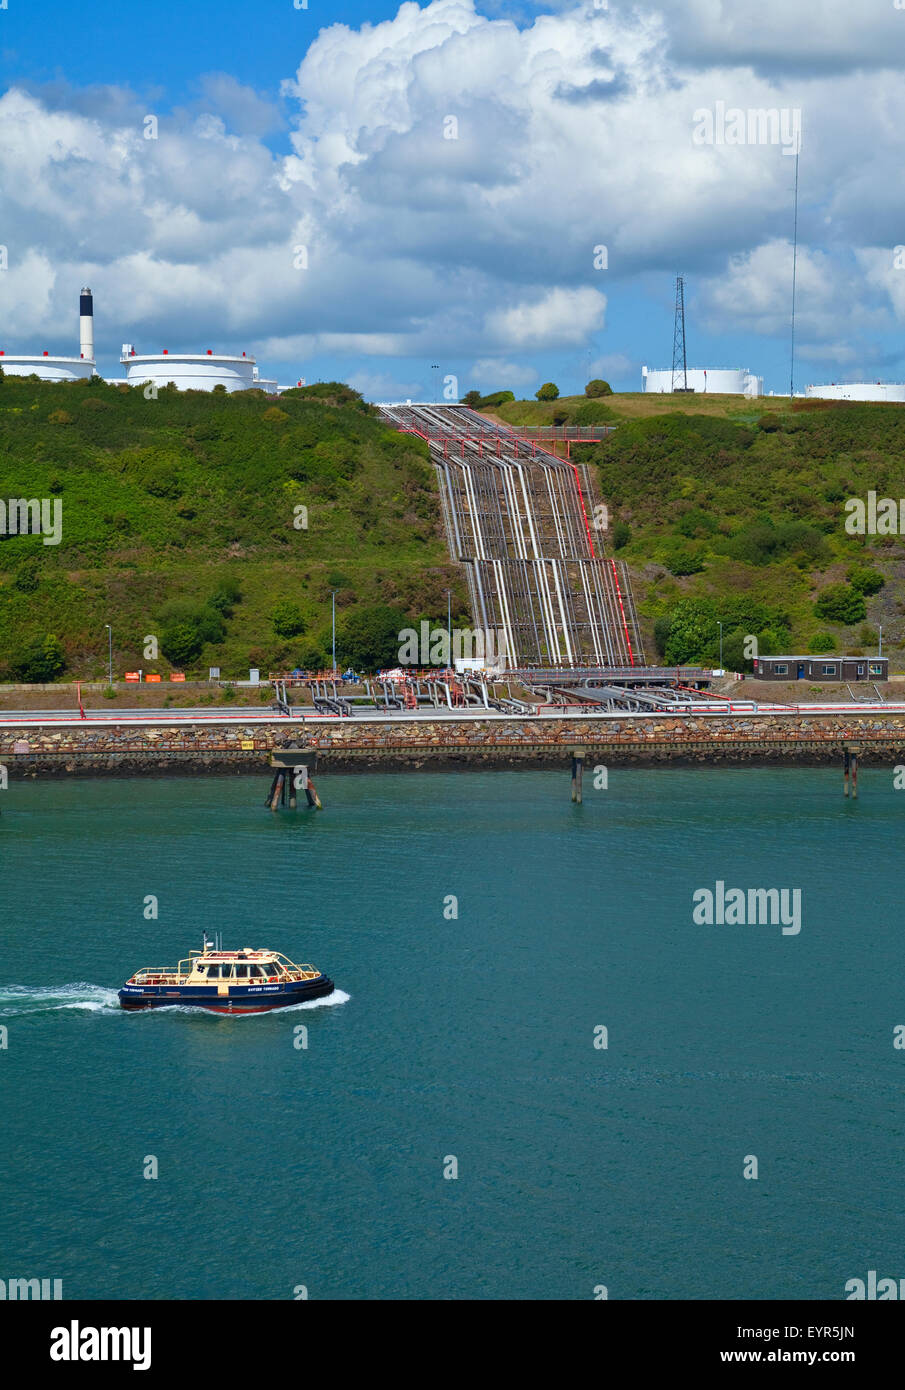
449,625
109,654
333,593
880,643
720,625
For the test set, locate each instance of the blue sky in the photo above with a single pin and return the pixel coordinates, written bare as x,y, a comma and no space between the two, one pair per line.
166,46
576,125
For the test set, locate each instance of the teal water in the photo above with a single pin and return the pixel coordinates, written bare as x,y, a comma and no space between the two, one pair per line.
470,1037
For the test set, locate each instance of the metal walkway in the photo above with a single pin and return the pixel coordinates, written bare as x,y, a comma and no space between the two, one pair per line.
522,522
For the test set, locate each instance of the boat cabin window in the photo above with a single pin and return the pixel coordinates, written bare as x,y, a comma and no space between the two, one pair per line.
241,972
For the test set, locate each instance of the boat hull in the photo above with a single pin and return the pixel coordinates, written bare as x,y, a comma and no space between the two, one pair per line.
242,999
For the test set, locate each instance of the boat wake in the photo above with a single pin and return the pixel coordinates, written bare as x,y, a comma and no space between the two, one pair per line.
338,996
36,999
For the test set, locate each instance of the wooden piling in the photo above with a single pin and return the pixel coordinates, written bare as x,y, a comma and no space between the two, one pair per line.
854,775
292,767
845,770
577,770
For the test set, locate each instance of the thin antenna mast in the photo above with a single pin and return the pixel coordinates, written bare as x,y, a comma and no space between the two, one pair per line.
794,276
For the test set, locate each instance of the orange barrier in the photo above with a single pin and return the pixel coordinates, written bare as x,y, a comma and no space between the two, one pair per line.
152,678
133,675
176,676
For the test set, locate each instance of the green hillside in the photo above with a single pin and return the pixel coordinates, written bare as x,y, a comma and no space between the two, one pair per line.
181,519
732,510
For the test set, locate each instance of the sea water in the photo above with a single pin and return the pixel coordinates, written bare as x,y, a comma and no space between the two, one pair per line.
539,1077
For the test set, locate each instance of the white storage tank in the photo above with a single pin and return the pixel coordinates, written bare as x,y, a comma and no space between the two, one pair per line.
46,367
858,391
190,371
718,381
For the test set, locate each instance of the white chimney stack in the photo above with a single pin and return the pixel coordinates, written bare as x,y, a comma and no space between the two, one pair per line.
86,324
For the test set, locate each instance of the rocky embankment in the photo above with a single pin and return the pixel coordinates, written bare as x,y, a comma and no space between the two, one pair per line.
396,744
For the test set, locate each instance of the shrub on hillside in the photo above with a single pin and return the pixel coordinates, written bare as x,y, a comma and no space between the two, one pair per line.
680,559
472,398
593,413
696,523
27,578
225,597
865,580
39,662
287,619
311,656
330,392
761,541
822,642
162,482
840,603
497,398
598,387
548,392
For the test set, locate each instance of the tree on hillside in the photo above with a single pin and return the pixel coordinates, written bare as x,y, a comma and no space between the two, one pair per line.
181,642
840,604
186,627
597,387
369,637
548,392
472,398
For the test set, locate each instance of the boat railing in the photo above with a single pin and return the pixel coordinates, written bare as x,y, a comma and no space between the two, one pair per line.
159,975
163,975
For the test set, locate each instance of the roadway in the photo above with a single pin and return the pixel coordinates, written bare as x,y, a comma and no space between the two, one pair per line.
102,718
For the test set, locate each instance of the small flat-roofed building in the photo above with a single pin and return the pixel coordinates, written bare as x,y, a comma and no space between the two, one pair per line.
822,668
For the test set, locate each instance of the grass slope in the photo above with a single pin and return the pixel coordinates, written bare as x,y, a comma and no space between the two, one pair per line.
733,510
164,500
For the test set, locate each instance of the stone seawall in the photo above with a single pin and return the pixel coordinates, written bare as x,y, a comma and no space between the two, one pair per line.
361,746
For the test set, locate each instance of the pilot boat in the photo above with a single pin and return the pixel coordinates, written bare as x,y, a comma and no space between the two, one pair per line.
226,982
